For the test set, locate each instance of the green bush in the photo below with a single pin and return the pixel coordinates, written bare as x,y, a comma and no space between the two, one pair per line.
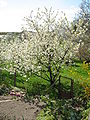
35,89
61,109
4,89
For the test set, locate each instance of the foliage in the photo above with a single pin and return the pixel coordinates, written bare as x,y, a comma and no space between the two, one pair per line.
78,107
4,89
86,112
61,109
35,88
45,116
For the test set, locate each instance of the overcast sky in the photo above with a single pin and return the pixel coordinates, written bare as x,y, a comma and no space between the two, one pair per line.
12,12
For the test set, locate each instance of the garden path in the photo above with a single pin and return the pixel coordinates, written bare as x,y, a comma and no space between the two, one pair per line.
18,109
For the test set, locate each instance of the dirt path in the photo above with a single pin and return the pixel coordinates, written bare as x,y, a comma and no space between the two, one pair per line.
12,109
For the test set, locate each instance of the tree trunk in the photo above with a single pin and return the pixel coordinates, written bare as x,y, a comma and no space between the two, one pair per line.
59,88
52,82
80,54
15,78
50,72
51,78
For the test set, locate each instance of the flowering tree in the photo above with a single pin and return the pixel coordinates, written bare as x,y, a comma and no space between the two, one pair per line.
8,53
51,43
46,44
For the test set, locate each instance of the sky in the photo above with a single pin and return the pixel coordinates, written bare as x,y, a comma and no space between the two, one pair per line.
12,12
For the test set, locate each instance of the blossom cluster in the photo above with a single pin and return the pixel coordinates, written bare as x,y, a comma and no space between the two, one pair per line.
46,41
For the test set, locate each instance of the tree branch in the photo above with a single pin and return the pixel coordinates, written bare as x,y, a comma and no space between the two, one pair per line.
41,77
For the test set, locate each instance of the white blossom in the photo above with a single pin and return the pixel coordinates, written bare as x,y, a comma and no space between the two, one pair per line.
46,41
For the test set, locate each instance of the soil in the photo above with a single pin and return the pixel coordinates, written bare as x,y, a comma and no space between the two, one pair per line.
18,109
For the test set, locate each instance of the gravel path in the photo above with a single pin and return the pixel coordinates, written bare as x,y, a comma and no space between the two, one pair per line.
12,109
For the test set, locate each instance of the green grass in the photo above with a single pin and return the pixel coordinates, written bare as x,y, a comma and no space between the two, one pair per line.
34,85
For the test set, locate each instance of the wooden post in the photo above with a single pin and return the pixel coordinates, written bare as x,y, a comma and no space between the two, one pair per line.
71,90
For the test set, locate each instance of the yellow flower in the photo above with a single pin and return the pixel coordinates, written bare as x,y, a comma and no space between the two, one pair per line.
85,65
87,91
70,70
88,73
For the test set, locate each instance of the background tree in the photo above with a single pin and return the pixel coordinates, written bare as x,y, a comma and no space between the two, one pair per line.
8,53
84,14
